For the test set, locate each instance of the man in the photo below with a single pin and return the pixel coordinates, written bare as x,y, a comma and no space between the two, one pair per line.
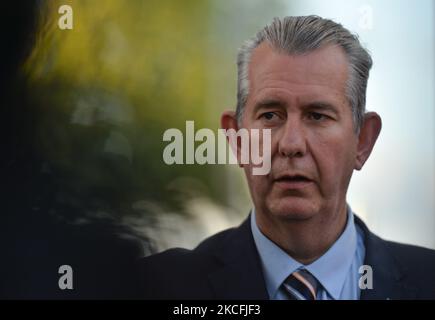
305,79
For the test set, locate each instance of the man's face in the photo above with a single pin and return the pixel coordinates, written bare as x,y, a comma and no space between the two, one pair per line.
301,98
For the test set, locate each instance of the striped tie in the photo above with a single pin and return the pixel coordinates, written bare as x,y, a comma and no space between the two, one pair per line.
301,285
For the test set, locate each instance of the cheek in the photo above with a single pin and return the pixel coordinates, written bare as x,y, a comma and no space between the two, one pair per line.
256,183
335,160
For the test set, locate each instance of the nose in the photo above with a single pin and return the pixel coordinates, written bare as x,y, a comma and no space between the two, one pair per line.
292,142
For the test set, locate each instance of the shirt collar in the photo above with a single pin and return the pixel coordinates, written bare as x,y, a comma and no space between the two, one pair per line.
330,269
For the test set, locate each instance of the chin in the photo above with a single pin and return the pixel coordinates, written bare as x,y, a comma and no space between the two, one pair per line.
293,209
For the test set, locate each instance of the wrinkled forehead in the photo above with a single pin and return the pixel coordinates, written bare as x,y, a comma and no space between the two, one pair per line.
325,66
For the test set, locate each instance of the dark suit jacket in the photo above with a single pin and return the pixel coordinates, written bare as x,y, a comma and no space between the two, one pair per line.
227,266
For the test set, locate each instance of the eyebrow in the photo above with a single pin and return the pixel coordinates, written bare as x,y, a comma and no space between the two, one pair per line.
322,106
268,103
316,105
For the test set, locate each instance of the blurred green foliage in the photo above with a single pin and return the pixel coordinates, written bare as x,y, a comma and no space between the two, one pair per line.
105,92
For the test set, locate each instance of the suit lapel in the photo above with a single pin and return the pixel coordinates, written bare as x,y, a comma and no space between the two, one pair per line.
240,276
388,276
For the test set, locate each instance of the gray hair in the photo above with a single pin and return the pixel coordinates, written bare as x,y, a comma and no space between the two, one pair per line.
298,35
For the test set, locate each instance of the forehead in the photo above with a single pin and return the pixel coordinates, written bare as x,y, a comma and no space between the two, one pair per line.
321,73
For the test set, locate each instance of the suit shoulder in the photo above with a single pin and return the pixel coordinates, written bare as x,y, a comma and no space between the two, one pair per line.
165,257
215,242
184,257
412,253
180,273
172,274
415,260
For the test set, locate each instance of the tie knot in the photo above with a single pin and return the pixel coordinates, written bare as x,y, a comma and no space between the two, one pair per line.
301,285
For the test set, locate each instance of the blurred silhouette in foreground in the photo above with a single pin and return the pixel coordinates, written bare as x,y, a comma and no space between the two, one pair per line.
39,232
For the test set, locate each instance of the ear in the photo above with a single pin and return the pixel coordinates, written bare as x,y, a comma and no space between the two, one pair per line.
367,137
229,121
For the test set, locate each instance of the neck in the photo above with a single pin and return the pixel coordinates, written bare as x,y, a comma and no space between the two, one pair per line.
305,240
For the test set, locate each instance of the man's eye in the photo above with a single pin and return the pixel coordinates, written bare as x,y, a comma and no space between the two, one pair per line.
317,116
268,115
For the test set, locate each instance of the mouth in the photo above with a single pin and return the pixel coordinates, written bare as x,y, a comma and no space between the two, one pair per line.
293,181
